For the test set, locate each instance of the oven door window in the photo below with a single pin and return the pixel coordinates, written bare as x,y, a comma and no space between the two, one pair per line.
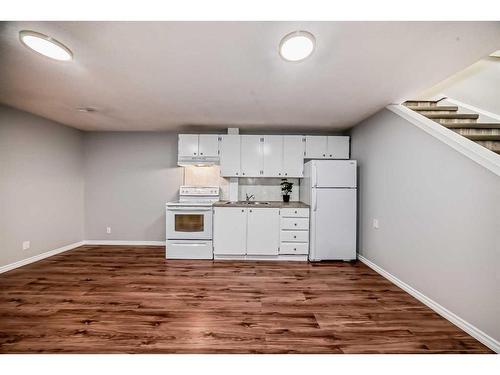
189,222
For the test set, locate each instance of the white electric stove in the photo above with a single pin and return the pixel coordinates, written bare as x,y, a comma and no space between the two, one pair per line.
189,223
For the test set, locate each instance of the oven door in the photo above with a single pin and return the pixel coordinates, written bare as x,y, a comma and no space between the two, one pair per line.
188,223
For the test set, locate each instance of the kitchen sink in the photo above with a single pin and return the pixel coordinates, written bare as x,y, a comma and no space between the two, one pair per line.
252,203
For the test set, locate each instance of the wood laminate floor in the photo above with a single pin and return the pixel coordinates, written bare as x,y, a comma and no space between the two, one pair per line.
117,299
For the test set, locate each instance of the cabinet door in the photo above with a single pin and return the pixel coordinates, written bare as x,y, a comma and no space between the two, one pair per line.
272,151
293,156
230,155
188,145
230,225
251,156
316,146
338,147
263,231
208,145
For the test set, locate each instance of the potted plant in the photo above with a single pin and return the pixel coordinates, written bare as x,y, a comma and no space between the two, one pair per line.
286,189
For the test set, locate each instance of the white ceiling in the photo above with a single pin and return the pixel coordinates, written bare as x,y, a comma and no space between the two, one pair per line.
211,75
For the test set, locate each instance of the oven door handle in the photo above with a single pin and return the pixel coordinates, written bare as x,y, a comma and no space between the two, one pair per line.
194,210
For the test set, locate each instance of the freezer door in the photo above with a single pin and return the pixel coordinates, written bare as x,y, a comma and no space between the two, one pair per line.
334,173
333,224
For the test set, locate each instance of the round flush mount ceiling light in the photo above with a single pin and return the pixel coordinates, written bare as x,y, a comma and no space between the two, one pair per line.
297,46
496,54
45,45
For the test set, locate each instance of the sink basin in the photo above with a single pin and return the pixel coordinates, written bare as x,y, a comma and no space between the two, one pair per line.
253,203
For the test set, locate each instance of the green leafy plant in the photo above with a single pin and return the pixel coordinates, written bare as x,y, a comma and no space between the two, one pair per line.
286,186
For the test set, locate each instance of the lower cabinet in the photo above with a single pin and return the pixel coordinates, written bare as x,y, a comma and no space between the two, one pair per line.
230,230
246,231
263,231
294,231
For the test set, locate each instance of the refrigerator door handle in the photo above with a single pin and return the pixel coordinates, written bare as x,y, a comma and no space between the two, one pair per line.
315,207
315,175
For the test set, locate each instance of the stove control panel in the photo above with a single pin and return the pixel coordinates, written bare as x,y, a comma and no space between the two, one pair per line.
199,190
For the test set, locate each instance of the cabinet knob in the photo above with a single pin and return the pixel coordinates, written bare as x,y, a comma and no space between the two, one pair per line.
295,249
243,173
295,224
324,154
331,155
250,210
294,236
201,153
295,211
194,153
236,173
242,210
279,174
286,174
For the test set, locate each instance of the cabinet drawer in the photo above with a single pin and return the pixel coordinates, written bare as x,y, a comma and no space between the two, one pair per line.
294,236
294,248
295,212
294,223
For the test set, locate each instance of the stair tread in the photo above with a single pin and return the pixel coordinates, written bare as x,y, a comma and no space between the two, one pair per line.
435,108
473,125
482,137
453,116
422,101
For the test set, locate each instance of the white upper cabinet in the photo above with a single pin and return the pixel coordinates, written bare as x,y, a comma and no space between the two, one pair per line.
293,156
263,231
188,146
208,145
279,156
198,148
230,159
327,147
316,146
272,150
338,147
251,156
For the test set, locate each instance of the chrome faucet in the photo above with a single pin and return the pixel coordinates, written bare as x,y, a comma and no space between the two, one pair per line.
248,197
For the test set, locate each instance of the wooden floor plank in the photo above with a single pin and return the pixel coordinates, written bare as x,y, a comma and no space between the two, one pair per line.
119,299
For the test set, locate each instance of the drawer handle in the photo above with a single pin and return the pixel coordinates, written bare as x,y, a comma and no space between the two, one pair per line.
294,236
295,211
295,224
295,248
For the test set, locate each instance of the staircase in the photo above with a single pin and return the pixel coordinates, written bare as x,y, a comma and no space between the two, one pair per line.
465,124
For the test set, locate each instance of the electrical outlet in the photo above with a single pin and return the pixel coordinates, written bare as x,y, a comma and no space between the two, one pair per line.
108,230
375,224
26,245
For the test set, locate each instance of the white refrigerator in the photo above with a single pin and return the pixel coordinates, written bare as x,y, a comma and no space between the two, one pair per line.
329,187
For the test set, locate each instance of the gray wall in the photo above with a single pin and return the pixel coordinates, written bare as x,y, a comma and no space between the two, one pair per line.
41,185
478,85
439,217
128,179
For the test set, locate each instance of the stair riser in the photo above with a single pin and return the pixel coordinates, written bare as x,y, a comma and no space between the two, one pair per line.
420,104
491,145
425,113
466,132
444,121
484,137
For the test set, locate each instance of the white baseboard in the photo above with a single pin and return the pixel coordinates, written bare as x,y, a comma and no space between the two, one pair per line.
125,243
281,258
472,330
38,257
